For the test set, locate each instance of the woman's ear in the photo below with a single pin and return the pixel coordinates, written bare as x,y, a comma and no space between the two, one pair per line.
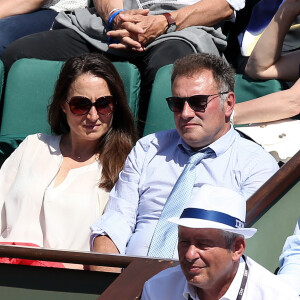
63,107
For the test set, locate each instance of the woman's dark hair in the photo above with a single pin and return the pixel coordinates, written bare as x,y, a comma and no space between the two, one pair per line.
115,145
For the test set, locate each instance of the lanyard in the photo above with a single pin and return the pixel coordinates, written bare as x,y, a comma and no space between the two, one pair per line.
243,283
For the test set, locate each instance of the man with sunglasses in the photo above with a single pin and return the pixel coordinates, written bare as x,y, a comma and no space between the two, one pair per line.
202,102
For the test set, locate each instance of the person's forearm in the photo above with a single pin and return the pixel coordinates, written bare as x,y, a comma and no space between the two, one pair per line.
205,12
10,8
104,7
265,59
104,244
272,107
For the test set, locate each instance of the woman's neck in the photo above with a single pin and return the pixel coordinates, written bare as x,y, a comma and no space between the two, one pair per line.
77,149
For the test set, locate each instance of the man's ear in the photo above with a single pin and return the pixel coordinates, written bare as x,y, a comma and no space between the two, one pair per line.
229,104
238,248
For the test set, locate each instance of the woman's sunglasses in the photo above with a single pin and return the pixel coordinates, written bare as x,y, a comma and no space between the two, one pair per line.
80,105
196,102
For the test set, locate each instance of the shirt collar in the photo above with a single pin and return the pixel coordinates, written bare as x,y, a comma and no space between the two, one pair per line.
220,146
191,290
230,294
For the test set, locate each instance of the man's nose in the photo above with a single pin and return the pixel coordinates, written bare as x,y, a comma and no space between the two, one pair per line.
192,253
187,112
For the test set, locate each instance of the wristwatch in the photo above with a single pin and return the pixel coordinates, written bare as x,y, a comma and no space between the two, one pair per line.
171,23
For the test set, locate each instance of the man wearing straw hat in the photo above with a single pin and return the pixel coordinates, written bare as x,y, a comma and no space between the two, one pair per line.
211,245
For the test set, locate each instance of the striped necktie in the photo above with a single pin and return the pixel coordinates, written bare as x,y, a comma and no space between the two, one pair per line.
165,237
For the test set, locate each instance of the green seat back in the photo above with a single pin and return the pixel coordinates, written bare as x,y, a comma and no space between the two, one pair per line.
29,89
1,77
159,117
247,88
132,81
273,228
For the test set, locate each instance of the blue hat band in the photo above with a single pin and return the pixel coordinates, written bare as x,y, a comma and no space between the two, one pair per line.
211,215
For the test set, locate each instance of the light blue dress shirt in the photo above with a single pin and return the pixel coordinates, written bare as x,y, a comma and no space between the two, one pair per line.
151,170
289,260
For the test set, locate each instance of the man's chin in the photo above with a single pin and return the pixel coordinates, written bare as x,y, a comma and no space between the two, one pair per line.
194,273
194,142
196,280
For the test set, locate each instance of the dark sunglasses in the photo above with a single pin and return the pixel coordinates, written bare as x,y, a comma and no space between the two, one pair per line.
196,102
80,105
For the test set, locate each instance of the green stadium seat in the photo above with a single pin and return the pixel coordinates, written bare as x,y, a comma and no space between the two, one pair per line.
159,117
247,88
1,78
28,91
132,81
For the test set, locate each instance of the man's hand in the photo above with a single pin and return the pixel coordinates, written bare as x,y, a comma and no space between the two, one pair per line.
118,20
127,41
124,37
138,31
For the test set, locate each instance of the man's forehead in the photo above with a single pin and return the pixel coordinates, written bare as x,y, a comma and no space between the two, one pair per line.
195,73
204,76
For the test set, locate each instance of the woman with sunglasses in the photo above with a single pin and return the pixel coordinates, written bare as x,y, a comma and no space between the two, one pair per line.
52,188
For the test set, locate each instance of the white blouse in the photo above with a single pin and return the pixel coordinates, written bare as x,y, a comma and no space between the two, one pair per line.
34,211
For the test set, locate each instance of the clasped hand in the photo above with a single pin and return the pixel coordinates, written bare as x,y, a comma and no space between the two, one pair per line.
134,29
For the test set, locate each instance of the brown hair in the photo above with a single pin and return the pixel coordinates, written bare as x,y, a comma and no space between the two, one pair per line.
115,145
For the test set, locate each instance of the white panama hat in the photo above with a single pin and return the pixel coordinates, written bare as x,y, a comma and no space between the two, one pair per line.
218,208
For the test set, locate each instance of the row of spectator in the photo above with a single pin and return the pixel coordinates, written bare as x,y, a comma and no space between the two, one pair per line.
75,169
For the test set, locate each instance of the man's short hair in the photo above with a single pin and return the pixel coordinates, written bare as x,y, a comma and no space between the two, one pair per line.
193,64
230,238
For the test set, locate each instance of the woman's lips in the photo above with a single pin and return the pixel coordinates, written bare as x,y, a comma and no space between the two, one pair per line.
91,127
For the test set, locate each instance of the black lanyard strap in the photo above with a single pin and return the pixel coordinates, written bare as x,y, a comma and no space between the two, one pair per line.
243,283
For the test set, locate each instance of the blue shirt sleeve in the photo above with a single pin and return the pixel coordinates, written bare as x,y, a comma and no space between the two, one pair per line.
289,260
119,219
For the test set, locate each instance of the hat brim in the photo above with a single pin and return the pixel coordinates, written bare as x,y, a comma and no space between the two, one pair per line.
199,223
